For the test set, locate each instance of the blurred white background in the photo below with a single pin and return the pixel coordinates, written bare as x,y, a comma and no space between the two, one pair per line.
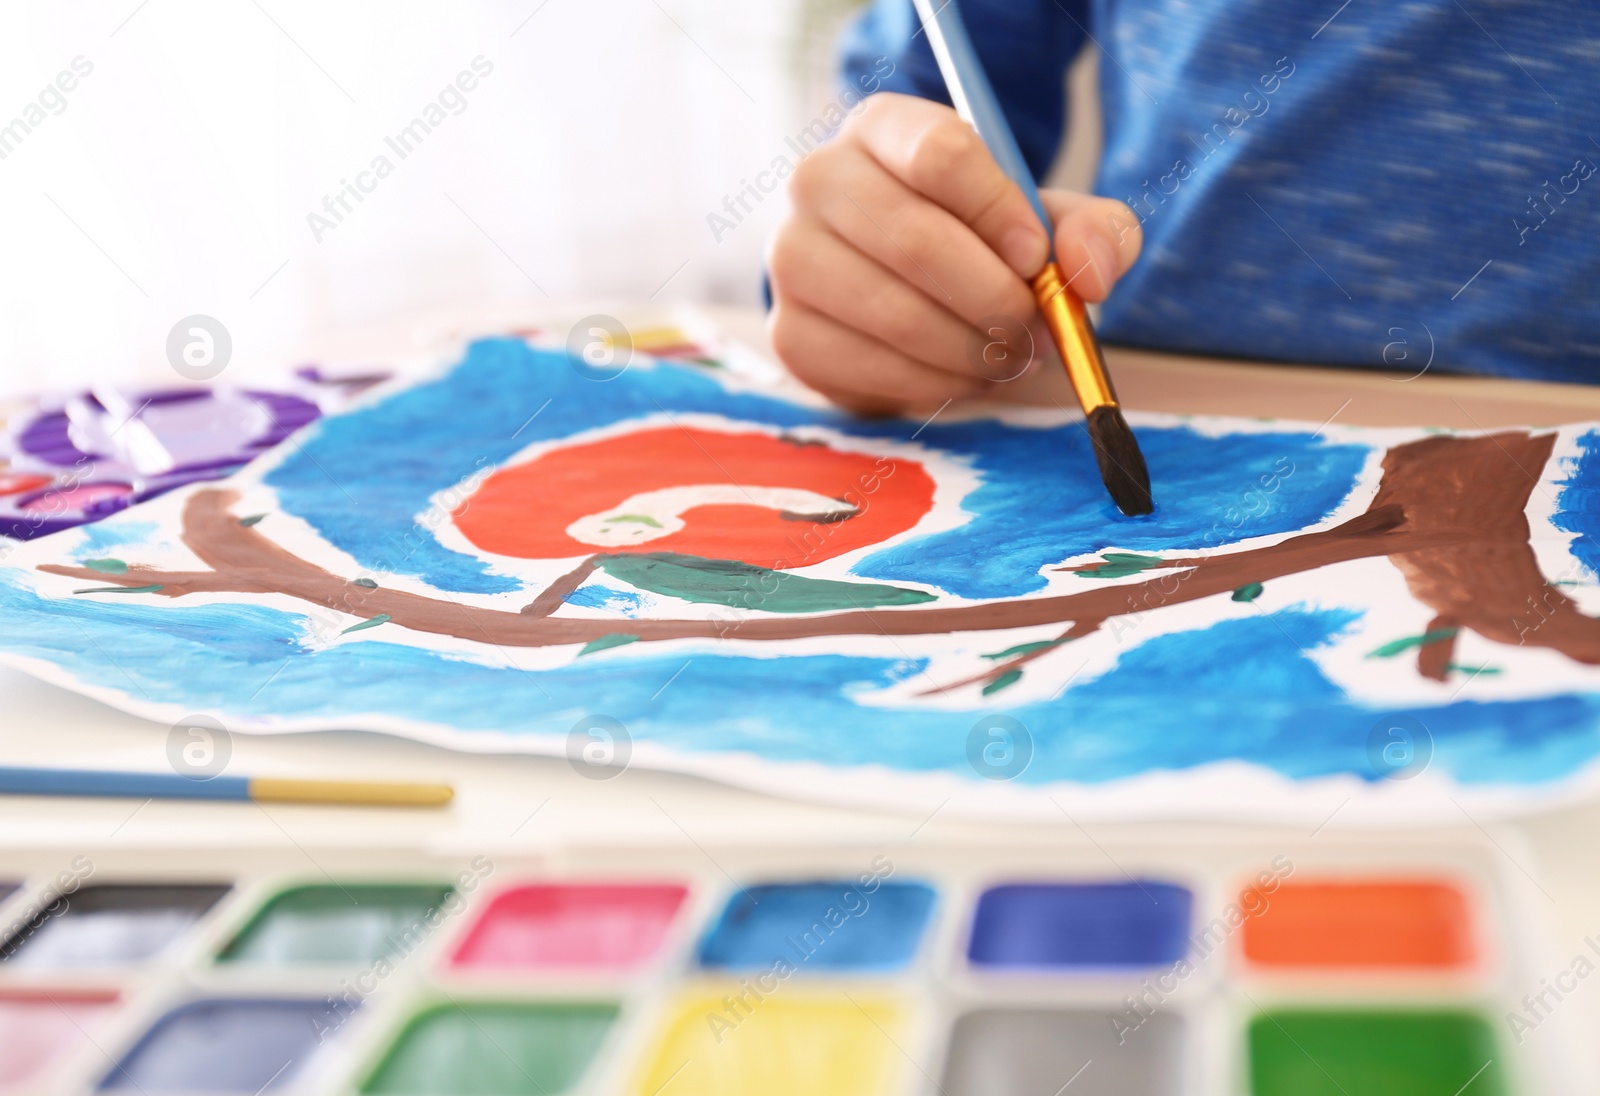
179,174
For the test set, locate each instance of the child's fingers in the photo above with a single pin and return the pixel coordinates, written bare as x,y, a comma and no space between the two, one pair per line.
854,369
930,149
815,268
1097,240
925,245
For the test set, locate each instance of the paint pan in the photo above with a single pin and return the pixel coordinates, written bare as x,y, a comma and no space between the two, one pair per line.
349,924
832,925
791,1044
1377,1053
42,1028
1141,923
1045,1051
1393,923
109,925
497,1048
247,1045
593,926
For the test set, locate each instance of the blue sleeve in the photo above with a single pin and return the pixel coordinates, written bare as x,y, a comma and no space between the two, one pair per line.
1025,46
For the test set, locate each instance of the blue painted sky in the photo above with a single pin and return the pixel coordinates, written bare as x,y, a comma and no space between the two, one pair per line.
1579,511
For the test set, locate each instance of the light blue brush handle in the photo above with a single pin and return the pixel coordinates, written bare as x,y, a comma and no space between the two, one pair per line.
973,97
132,785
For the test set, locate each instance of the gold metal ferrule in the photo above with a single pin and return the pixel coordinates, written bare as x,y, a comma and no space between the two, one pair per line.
1064,313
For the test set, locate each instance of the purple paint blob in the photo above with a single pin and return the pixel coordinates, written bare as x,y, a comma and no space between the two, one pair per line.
87,460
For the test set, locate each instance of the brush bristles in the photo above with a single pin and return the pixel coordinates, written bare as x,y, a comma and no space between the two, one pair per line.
1121,463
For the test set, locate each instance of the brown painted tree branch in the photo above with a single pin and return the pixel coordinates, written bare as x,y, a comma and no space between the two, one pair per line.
244,560
553,596
1434,659
1078,630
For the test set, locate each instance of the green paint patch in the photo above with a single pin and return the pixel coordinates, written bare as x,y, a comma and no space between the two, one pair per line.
1025,648
504,1048
1475,671
615,639
331,923
381,618
251,520
1119,565
367,582
120,589
746,586
1004,681
1400,646
637,519
107,566
1377,1053
1248,592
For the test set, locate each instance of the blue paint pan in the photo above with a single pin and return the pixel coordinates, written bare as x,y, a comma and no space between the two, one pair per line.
1135,924
822,925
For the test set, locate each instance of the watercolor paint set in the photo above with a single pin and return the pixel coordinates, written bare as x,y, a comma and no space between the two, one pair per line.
1161,963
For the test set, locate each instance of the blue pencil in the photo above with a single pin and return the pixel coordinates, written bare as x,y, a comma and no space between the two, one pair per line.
242,789
1122,467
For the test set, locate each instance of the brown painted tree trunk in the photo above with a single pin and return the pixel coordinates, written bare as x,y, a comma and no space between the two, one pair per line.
1449,512
1488,581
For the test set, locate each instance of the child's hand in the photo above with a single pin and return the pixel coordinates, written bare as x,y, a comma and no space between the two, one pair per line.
905,239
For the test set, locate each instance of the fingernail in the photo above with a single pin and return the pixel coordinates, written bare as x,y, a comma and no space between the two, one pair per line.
1021,249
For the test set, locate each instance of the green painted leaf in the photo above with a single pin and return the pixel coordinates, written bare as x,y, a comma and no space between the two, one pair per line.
120,589
1121,565
1025,648
107,566
637,519
1248,592
381,618
1475,671
746,586
367,582
251,520
1400,646
615,639
1004,681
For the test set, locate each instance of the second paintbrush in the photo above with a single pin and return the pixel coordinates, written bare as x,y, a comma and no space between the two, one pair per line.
244,789
1121,464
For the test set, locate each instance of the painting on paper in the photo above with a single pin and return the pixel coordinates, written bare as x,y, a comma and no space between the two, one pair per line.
698,571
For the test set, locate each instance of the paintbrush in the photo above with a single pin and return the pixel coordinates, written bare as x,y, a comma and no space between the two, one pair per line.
248,789
1122,467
